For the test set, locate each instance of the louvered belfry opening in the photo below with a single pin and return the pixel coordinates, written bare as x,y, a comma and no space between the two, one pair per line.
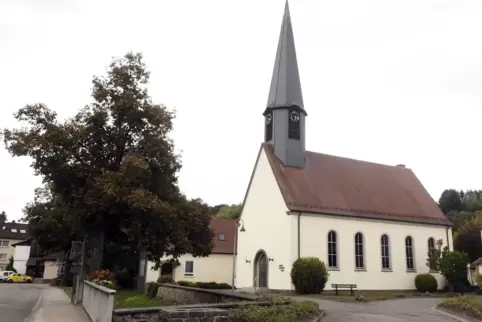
269,127
294,126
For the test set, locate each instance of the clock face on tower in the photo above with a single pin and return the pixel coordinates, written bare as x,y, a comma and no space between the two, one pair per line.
269,118
294,116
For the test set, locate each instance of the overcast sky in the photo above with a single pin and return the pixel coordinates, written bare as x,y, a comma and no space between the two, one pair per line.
389,81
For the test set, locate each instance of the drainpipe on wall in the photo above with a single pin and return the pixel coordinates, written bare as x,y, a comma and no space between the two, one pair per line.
299,234
447,235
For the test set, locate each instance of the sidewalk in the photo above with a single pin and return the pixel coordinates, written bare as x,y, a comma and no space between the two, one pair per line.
54,306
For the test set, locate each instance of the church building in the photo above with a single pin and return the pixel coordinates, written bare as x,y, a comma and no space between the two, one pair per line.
371,224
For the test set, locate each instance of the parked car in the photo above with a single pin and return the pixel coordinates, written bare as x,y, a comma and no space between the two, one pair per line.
4,276
19,278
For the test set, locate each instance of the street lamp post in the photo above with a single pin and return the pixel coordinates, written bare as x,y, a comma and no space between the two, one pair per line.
236,225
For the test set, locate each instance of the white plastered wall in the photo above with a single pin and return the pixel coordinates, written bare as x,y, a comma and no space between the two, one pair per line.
268,228
314,236
214,268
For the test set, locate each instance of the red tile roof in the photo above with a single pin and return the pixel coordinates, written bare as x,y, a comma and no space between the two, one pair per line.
226,227
347,187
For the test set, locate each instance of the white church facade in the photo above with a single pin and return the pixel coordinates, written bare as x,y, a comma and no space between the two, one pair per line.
371,224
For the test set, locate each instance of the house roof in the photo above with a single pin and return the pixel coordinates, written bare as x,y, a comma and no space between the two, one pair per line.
12,230
226,227
347,187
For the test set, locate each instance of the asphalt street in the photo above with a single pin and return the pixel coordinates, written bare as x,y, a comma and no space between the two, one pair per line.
17,300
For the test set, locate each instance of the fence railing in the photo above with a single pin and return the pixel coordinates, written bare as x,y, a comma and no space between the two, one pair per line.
98,302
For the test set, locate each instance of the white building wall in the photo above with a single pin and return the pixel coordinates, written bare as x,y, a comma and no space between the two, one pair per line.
268,228
214,268
20,258
314,236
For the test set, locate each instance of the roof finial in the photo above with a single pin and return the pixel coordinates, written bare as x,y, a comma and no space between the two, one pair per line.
285,85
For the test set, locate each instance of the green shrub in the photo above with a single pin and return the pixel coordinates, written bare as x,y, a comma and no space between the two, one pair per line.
151,290
291,312
165,279
309,275
124,278
205,285
187,283
213,285
426,283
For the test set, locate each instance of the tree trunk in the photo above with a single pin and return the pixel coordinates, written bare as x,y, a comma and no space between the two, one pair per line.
142,268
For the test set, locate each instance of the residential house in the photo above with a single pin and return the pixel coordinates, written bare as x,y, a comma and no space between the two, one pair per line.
371,224
31,259
217,267
10,233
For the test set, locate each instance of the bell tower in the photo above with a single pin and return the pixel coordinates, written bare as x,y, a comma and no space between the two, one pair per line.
285,114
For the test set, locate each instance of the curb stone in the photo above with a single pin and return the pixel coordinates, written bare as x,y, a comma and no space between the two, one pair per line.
453,316
34,307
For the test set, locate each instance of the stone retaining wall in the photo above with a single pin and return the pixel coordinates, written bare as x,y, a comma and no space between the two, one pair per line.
182,295
172,314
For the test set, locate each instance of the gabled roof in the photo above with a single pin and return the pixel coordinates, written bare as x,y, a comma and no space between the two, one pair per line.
12,230
285,90
227,228
347,187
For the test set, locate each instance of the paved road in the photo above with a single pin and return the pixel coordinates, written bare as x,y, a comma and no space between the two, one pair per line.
403,310
17,300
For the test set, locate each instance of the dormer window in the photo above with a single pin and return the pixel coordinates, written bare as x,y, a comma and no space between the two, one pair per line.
14,230
23,231
221,236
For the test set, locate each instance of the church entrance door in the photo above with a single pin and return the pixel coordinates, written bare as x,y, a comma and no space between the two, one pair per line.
261,269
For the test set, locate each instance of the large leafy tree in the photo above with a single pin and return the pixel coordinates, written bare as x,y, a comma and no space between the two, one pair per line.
467,237
450,200
110,172
230,212
3,217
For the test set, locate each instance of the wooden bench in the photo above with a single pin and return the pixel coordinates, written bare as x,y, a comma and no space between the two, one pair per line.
344,286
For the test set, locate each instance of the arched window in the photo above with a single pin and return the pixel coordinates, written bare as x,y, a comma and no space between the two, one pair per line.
409,253
385,252
359,255
431,248
332,254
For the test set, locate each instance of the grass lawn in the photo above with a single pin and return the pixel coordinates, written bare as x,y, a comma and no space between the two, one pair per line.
130,298
470,305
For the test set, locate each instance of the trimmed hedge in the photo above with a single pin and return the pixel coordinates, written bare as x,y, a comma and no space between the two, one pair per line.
205,285
309,275
426,283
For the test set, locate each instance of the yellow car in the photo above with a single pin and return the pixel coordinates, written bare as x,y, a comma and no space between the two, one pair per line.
19,278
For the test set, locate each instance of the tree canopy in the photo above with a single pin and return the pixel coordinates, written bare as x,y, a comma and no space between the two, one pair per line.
3,217
230,212
110,171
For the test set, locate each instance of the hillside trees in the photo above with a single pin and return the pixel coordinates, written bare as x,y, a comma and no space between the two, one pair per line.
110,172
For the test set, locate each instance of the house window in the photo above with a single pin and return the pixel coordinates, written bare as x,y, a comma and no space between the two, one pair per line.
385,252
4,243
431,248
23,231
3,256
332,260
221,236
409,253
189,268
359,259
14,230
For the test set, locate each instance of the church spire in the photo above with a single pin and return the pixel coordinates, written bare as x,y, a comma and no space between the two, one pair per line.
285,115
285,88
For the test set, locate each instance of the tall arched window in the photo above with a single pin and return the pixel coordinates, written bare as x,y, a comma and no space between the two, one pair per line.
385,243
409,253
431,248
332,253
359,255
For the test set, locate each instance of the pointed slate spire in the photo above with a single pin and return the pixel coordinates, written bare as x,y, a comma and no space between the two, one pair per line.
285,88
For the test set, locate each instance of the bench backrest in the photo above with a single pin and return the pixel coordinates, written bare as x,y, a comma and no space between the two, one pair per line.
344,285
